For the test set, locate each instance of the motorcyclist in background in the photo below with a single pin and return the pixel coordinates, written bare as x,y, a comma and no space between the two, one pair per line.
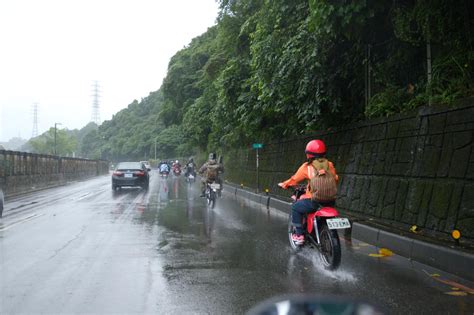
164,167
316,164
176,166
190,167
210,172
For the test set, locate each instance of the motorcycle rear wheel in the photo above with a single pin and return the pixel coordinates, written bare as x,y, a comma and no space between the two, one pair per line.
330,250
291,230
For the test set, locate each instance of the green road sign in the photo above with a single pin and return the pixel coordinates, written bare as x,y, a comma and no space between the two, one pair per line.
257,145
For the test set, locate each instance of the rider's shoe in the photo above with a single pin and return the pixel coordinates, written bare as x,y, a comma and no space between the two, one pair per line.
297,239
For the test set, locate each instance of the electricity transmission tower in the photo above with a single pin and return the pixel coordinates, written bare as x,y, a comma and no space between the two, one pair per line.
95,103
35,120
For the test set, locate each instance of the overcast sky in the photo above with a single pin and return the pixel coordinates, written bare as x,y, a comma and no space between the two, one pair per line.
51,52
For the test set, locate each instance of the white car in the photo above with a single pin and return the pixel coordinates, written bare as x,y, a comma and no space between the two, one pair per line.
147,165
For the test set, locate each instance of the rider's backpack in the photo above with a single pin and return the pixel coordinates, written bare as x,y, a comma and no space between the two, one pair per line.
322,183
212,171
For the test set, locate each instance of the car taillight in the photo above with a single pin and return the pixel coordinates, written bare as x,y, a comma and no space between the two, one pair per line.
139,173
117,173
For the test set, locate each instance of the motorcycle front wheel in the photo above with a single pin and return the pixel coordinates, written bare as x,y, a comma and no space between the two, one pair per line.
330,250
211,198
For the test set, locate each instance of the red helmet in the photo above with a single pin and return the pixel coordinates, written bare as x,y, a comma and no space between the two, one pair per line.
315,148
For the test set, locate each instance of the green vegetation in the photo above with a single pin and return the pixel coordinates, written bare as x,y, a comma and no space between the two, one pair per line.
272,69
68,142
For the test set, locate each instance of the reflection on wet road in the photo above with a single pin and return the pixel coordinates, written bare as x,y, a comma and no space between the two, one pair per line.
85,249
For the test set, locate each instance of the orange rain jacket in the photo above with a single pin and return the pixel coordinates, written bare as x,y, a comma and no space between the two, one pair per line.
303,173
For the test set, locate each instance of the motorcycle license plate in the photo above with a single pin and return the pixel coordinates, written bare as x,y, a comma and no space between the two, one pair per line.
216,186
338,223
191,176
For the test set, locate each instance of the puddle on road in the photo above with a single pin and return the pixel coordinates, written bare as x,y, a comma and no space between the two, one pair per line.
312,255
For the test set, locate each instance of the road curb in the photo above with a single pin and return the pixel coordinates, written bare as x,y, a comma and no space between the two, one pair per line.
441,257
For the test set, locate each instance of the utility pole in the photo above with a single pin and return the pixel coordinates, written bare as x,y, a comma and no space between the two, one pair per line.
35,121
95,103
55,136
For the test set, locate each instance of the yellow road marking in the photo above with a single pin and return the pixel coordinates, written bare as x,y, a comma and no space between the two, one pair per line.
456,293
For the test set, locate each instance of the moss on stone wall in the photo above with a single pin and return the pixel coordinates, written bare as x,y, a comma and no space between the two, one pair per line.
412,169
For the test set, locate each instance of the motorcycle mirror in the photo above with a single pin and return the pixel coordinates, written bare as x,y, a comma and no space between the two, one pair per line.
312,304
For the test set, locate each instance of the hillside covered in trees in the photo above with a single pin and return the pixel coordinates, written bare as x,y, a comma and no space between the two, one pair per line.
273,69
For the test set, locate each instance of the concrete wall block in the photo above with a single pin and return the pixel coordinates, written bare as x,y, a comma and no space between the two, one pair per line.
454,205
424,125
409,127
379,158
466,208
424,205
343,199
365,233
400,245
342,157
432,222
390,156
360,134
413,201
418,156
389,199
437,123
392,129
470,167
429,163
354,158
446,155
356,194
401,199
462,146
375,194
466,226
460,120
451,260
365,184
440,199
377,132
370,155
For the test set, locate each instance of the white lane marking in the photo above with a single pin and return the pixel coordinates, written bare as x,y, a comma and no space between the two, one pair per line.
81,197
28,218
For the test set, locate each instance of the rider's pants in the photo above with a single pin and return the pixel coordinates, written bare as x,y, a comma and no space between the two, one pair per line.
299,209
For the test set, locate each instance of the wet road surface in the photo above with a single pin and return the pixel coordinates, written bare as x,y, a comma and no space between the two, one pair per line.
85,249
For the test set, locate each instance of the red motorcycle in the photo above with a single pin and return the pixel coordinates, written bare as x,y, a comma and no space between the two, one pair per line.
320,231
176,170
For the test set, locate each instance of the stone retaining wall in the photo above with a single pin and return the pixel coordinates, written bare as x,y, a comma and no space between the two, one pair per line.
411,169
22,172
